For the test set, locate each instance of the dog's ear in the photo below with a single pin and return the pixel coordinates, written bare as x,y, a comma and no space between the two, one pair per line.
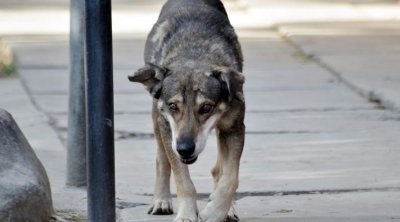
231,80
151,76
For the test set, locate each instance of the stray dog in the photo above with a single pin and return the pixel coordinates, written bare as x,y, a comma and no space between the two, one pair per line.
193,65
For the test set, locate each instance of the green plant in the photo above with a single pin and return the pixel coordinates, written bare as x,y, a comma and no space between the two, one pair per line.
7,65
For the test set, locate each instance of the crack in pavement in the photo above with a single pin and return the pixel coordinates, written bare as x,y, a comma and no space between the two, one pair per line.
120,204
50,119
241,195
378,101
325,109
122,135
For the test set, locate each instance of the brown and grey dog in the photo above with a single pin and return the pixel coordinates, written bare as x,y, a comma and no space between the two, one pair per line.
193,71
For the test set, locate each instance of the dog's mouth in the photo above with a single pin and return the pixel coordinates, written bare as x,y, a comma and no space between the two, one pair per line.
189,161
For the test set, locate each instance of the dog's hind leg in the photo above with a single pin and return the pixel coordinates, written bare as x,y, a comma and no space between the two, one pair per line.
216,172
230,149
162,202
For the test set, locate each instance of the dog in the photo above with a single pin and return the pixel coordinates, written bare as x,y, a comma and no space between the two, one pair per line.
193,71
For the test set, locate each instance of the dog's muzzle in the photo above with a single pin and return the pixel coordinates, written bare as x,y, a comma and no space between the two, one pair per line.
186,148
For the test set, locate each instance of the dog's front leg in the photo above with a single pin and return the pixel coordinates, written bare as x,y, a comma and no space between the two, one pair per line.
186,192
162,201
230,146
187,211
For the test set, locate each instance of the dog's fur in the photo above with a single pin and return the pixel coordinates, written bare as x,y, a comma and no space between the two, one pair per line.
193,71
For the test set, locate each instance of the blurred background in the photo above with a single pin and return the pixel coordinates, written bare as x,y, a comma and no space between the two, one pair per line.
52,16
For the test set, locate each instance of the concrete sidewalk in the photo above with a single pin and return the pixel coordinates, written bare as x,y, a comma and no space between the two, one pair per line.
322,140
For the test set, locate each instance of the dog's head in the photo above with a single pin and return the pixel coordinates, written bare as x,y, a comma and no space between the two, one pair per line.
191,102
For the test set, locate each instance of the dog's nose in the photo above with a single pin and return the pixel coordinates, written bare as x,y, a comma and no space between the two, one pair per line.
186,147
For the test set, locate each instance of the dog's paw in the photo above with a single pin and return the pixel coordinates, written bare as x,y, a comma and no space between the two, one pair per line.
184,219
212,216
161,207
187,211
192,218
231,218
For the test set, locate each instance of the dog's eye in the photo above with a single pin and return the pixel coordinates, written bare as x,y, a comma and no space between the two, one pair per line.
206,108
173,107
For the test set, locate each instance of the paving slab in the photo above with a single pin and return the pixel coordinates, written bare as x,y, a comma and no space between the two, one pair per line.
55,54
52,54
362,53
380,81
291,162
57,81
327,207
358,206
45,80
56,104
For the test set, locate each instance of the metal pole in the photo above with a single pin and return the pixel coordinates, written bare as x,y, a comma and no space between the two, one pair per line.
76,142
100,111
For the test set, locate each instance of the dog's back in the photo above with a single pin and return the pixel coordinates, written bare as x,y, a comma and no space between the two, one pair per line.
197,30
